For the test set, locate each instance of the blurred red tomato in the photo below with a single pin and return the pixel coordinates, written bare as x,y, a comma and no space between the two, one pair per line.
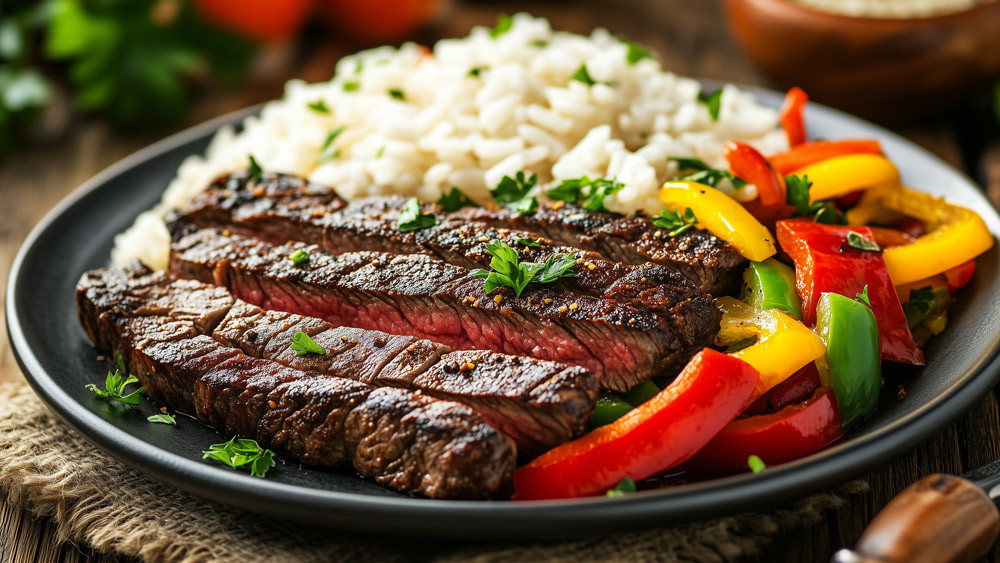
268,20
381,20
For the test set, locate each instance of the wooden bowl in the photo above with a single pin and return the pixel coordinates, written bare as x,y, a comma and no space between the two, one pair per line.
885,69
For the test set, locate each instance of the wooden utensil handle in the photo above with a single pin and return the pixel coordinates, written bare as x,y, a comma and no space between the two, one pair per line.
938,519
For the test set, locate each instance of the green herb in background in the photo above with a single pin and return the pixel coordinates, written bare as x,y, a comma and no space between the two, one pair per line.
675,222
477,70
114,388
713,102
24,90
239,452
515,192
583,75
587,192
163,419
455,200
299,257
131,62
861,242
635,52
695,170
328,151
397,94
411,218
302,344
255,173
351,86
504,23
319,106
509,271
797,194
623,487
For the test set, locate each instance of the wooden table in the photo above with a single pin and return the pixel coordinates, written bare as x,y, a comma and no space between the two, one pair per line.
691,38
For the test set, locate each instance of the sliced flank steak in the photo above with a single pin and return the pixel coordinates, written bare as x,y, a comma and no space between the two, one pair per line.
282,208
618,341
397,437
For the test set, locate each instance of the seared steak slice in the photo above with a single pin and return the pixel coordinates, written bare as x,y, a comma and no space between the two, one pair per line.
620,343
397,437
537,403
282,208
711,263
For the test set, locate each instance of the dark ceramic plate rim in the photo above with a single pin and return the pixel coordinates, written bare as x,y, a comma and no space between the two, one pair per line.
468,519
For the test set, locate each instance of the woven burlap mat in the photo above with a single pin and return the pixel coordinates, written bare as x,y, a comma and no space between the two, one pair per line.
95,500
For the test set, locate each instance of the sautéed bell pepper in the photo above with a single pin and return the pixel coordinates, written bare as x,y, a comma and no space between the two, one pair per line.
792,116
722,216
826,262
609,408
842,175
852,365
788,434
956,235
783,346
803,155
746,163
661,433
771,285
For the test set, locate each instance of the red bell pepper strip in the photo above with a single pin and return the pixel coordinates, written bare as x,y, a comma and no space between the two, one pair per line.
792,432
792,116
746,163
886,237
798,388
960,276
825,262
657,435
815,151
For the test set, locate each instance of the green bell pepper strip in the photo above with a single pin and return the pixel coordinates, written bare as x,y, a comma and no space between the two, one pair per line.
609,408
771,285
641,393
852,364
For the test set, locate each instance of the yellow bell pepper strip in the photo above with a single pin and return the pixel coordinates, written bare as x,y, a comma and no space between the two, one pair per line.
842,175
721,215
956,235
784,345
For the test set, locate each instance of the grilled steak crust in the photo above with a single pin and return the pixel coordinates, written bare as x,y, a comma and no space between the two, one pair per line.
283,208
397,437
620,343
538,404
711,263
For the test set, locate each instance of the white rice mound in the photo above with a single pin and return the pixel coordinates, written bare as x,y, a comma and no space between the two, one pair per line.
452,128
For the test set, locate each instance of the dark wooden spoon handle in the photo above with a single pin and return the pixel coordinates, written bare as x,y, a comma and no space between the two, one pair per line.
938,519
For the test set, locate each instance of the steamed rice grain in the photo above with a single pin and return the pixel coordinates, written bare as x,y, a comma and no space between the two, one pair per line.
469,112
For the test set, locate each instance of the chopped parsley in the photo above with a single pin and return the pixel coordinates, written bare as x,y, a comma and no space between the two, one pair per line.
540,43
587,192
477,70
115,383
239,452
695,170
163,419
397,94
863,297
635,52
515,192
918,307
625,486
504,23
319,106
303,345
411,218
713,102
528,242
797,195
861,242
254,173
381,152
509,271
328,151
676,223
756,464
351,86
455,200
299,257
583,75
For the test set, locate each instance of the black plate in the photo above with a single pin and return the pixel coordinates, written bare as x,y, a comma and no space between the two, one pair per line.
58,361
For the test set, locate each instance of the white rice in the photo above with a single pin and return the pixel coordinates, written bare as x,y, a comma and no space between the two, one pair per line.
522,112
